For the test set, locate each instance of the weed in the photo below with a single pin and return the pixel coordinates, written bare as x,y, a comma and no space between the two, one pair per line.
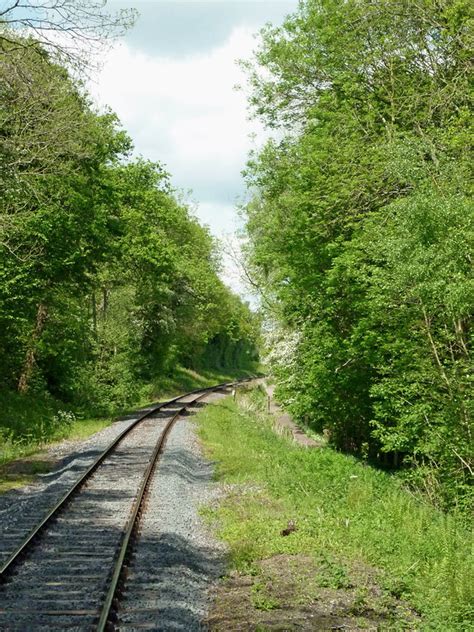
359,604
332,574
261,599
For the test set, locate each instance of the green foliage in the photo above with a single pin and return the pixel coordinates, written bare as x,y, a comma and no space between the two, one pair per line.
346,513
107,282
361,230
30,420
261,600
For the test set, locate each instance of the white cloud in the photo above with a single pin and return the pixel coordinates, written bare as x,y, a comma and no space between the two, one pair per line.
234,274
186,113
221,218
226,226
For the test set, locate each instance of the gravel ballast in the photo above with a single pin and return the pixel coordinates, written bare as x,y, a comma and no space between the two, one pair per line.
22,508
175,559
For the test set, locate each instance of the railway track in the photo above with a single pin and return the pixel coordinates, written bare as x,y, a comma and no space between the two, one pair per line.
70,570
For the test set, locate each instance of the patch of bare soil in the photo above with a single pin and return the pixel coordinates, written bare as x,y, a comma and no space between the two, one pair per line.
297,592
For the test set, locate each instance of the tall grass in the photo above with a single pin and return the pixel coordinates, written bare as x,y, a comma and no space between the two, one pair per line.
182,380
342,507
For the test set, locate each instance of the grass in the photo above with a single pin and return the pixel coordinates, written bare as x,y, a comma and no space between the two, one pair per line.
183,380
31,422
346,513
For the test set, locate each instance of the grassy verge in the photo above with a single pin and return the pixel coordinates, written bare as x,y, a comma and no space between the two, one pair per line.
345,512
30,423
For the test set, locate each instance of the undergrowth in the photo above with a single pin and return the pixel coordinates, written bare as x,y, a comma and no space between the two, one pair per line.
341,507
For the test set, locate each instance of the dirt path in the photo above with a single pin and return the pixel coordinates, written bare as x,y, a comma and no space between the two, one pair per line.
284,423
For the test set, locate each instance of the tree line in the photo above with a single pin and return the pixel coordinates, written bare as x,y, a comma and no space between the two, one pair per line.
107,280
360,229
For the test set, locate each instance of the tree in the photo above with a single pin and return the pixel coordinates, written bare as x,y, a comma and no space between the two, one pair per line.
346,228
72,30
52,219
107,282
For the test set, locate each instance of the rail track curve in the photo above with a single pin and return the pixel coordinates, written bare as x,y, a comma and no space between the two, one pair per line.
68,570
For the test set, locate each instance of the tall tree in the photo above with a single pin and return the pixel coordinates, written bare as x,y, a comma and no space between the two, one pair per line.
52,219
352,207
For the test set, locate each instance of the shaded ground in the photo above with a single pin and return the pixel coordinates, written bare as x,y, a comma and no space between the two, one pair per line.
297,592
23,471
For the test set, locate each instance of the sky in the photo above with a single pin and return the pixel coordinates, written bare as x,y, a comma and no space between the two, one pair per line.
172,79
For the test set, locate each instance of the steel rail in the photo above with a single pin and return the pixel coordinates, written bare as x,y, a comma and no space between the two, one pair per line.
109,603
11,562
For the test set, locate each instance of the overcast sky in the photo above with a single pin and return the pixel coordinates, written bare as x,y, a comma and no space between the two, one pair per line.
171,82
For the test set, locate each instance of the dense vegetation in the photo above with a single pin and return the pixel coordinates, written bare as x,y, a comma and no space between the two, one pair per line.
361,230
106,280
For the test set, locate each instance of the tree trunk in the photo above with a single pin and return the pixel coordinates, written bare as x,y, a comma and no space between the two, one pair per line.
30,358
105,302
94,314
433,347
